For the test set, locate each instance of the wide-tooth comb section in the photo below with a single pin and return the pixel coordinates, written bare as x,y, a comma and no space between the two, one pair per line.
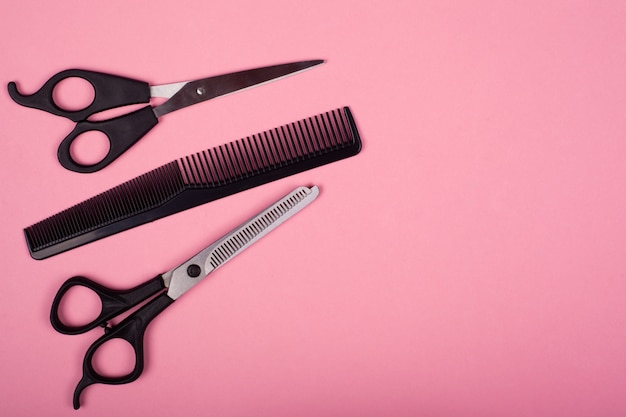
199,178
276,148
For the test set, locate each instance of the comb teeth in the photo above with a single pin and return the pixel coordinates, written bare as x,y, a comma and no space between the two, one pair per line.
198,179
245,236
276,148
141,193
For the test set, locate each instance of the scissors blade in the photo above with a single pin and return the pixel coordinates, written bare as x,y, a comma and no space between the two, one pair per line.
197,91
184,277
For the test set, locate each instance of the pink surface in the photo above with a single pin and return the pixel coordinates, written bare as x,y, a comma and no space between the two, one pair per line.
469,262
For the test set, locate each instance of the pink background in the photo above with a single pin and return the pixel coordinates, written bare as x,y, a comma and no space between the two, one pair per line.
469,262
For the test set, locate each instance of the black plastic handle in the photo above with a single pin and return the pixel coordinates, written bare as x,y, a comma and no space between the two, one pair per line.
113,302
110,91
132,330
122,132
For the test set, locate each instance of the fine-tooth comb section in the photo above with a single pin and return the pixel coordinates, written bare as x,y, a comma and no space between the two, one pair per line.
236,242
199,178
142,193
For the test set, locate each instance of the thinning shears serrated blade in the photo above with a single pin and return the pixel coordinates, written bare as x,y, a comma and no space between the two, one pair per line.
193,92
184,277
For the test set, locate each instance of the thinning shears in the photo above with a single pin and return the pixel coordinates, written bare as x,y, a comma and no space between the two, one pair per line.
111,91
165,289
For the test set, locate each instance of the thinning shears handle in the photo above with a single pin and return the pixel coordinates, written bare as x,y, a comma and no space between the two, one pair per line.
132,330
114,302
110,91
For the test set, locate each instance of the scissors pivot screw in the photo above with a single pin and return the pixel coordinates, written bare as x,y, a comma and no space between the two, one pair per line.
200,91
193,270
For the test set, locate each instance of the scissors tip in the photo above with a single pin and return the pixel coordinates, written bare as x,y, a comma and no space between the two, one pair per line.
303,65
309,63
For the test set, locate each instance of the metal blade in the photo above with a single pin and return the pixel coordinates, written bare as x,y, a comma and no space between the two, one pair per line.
194,92
183,278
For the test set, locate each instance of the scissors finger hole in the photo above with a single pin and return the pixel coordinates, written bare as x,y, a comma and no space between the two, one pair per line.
114,358
73,94
90,147
79,307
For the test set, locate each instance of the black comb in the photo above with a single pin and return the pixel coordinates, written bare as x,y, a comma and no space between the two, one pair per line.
197,179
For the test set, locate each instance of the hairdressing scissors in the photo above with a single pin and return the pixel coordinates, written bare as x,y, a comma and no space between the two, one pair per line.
166,288
111,91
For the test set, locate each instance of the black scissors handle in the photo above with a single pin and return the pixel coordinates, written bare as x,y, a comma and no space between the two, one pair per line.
110,91
122,132
114,302
132,330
